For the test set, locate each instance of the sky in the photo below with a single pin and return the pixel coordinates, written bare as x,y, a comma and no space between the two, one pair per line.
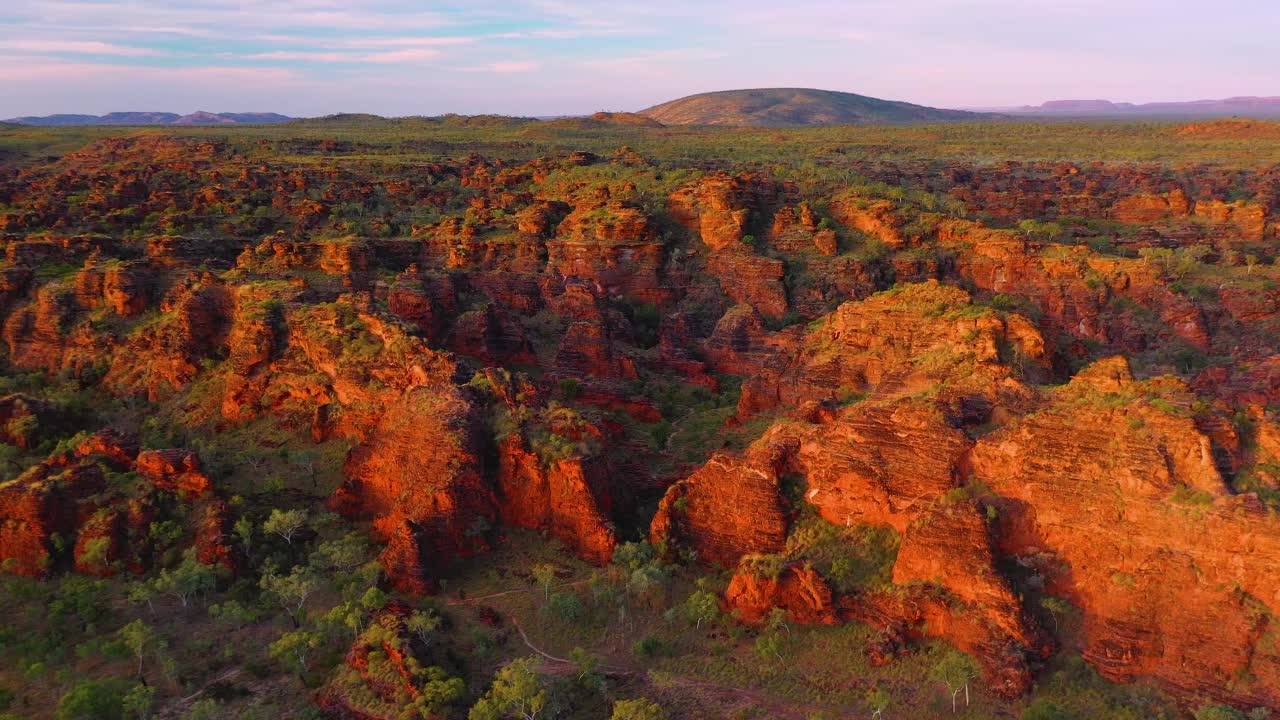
562,57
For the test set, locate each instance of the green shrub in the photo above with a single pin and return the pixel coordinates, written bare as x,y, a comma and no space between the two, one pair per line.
567,607
94,700
1047,710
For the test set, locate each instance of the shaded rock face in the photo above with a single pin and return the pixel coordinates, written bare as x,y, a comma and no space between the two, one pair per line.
25,421
63,514
1124,512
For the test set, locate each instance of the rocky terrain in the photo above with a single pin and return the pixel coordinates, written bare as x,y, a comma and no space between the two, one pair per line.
1028,410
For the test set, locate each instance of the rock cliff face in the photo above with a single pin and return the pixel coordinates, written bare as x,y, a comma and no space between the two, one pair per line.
421,482
1113,495
568,498
798,590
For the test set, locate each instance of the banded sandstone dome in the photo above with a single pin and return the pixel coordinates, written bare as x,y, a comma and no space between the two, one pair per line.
789,107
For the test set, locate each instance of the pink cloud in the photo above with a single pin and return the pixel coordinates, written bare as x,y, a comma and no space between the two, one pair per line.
85,47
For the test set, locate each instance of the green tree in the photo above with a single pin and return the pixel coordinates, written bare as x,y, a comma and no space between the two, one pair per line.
1056,606
291,591
189,579
285,523
1219,712
292,648
955,670
423,624
138,637
544,574
878,699
769,645
638,709
1047,710
517,692
702,606
588,665
342,555
437,692
137,703
233,613
243,530
565,606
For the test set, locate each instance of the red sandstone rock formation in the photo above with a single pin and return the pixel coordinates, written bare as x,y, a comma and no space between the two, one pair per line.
97,527
894,465
384,673
901,342
568,498
1115,496
798,589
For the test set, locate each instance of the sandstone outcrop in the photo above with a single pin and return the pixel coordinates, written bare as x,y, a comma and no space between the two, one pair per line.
66,512
893,465
1114,496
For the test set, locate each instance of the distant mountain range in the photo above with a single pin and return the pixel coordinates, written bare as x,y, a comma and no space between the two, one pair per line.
1252,107
793,107
154,118
764,107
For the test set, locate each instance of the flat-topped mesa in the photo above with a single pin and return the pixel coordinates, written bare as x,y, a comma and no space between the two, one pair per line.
1114,496
868,464
912,339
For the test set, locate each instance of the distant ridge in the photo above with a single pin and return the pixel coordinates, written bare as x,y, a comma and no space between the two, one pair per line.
794,107
199,117
1245,106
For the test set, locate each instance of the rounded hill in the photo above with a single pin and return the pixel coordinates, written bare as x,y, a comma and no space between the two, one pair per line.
793,107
